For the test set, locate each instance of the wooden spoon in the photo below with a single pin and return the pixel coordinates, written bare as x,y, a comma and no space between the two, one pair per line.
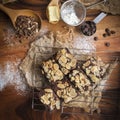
53,11
13,14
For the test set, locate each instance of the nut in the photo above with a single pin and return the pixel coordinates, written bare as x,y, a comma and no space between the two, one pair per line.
59,93
45,100
67,99
63,51
87,64
72,93
48,90
68,66
65,71
61,86
62,59
68,55
75,72
73,62
56,66
94,78
58,104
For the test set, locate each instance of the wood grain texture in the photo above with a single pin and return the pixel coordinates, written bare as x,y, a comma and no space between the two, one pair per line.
18,107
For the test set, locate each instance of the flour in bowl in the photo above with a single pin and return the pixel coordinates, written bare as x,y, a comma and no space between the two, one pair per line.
69,15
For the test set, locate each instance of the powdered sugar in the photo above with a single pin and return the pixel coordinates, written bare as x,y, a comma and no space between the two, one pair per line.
10,75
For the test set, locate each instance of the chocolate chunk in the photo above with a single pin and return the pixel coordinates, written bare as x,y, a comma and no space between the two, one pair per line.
107,31
104,35
95,38
107,44
112,32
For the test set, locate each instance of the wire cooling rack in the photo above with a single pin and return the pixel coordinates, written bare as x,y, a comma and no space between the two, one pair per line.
110,102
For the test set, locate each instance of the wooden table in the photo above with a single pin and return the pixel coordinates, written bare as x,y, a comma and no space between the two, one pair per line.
18,107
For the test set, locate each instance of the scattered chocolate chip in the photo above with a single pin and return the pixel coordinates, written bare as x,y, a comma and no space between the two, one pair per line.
95,38
107,44
104,35
112,32
108,32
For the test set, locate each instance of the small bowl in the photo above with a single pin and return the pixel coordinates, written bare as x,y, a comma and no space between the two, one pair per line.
73,12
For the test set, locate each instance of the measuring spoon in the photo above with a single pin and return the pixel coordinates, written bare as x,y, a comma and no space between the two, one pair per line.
88,28
73,12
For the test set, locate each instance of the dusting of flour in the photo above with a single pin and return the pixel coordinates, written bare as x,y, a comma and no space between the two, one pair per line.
10,75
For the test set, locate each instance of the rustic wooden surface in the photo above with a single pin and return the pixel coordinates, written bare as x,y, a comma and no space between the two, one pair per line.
18,107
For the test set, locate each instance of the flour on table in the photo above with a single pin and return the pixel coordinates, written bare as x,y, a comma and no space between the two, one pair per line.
10,75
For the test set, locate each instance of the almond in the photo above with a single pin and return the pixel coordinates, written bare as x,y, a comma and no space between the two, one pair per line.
59,93
73,62
72,93
87,64
45,100
68,66
67,99
63,51
69,56
65,71
56,67
61,86
62,59
48,90
58,104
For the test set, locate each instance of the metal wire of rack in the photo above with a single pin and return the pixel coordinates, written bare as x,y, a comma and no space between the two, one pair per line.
110,101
